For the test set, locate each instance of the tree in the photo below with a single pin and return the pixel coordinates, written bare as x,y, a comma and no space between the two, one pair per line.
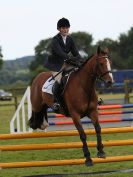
1,56
41,53
113,51
42,50
126,49
121,50
83,41
126,44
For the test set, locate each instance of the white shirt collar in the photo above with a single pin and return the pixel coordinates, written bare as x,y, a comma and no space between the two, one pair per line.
64,39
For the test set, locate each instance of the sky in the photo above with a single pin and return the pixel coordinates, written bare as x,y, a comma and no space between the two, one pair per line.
24,23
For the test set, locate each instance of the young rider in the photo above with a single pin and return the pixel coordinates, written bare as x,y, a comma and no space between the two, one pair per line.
61,46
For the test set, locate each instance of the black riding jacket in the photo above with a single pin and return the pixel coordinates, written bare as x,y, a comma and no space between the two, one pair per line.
60,51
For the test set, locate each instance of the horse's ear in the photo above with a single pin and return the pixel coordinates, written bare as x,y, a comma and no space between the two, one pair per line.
98,50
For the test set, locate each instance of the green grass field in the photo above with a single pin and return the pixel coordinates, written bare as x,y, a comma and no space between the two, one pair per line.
6,112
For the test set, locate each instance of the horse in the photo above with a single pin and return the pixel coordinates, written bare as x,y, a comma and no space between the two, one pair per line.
80,98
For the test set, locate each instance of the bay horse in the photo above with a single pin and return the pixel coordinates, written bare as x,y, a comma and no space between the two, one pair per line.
79,95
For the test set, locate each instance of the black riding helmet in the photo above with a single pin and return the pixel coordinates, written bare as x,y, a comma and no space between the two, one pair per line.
63,22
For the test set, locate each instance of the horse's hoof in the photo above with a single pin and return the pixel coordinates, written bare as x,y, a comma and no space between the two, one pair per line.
89,163
101,155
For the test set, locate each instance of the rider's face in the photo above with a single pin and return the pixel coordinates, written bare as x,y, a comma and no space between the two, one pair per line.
64,31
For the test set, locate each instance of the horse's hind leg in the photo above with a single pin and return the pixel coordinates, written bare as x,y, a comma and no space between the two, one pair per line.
77,122
39,119
45,123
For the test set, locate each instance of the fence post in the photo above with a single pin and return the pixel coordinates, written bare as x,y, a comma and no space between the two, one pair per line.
126,88
15,102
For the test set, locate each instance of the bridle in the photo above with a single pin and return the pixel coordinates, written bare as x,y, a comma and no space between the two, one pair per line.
98,66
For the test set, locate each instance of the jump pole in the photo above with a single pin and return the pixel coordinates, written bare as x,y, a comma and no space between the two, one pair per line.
64,162
67,145
117,106
89,121
63,133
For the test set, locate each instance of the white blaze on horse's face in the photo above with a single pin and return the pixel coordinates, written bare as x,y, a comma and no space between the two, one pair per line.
109,69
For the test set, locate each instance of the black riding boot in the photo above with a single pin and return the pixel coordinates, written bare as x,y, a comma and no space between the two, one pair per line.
57,94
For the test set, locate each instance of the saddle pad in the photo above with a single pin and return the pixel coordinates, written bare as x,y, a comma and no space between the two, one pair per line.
47,86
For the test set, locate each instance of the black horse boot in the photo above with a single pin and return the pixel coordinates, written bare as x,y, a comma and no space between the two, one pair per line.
57,94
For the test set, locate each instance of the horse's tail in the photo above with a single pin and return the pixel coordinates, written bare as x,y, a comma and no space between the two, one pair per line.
37,118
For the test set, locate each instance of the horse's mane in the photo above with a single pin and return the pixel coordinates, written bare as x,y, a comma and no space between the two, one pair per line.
86,60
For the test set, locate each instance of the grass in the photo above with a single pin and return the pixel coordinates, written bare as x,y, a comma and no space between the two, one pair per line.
7,112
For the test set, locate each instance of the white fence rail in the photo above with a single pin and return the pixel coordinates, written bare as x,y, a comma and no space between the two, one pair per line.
19,121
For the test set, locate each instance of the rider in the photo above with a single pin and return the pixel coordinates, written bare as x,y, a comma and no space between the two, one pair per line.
61,47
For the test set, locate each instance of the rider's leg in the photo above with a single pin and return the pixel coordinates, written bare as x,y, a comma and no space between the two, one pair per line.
57,89
56,92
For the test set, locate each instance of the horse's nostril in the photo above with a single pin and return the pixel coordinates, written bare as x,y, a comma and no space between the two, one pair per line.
108,84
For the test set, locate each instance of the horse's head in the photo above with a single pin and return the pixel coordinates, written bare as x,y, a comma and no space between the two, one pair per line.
103,67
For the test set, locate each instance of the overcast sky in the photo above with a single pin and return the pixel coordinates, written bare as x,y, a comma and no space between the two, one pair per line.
23,23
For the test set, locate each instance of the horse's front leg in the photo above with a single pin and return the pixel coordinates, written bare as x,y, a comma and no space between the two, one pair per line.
94,118
78,124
